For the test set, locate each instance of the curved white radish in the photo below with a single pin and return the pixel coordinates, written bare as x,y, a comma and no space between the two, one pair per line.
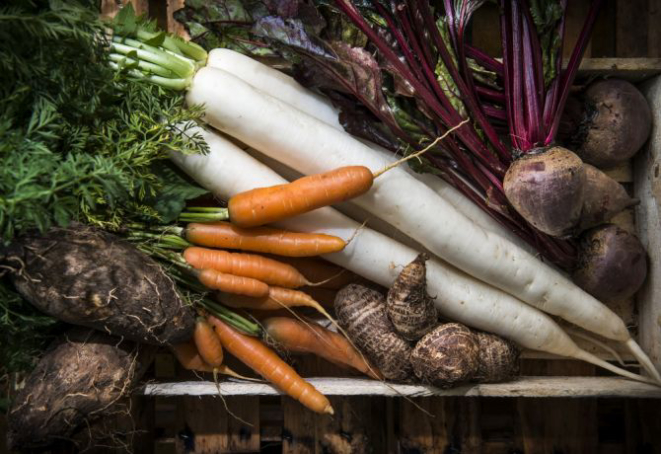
227,170
310,146
286,89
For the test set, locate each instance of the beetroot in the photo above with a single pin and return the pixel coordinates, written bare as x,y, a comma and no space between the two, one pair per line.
546,188
617,122
603,198
612,264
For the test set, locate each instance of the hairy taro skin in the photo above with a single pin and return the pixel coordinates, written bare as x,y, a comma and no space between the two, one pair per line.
361,312
446,356
612,263
618,124
81,377
410,309
89,277
547,189
498,358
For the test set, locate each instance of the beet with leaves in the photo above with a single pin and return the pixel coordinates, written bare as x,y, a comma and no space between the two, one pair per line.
89,277
81,378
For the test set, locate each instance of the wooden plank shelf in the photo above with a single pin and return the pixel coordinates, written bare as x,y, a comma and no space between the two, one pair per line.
522,387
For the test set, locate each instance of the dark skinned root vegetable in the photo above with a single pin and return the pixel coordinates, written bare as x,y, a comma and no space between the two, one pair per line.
446,356
612,263
89,277
410,309
82,377
498,358
546,187
617,122
603,198
361,312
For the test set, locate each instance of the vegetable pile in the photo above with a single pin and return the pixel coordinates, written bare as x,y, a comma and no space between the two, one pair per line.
109,130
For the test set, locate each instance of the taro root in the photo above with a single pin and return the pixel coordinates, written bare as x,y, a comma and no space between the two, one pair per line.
445,356
612,263
617,122
603,198
361,312
89,277
409,307
547,188
498,358
82,377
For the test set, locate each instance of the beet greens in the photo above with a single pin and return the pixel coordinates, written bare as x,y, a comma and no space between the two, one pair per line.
403,72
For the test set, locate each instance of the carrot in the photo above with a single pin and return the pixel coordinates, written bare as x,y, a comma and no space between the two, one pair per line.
320,271
303,337
248,265
270,204
229,283
266,363
277,298
207,343
190,359
263,239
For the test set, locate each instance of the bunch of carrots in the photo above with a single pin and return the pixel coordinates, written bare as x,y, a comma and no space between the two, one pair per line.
266,278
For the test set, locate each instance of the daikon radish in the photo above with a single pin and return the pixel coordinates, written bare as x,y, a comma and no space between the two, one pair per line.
310,146
286,89
227,170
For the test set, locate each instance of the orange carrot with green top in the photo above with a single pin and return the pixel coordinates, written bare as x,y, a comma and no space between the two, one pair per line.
263,239
266,363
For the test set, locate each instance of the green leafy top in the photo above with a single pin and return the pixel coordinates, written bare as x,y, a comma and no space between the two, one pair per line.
79,140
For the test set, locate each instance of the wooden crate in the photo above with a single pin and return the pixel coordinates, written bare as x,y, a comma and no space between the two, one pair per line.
557,406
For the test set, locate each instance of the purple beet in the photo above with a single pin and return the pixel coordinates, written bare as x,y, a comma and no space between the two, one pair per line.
617,122
547,189
612,264
603,198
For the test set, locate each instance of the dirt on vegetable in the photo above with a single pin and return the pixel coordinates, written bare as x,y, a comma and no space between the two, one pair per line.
81,378
85,276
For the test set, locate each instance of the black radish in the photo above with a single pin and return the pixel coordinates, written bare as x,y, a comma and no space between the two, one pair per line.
86,276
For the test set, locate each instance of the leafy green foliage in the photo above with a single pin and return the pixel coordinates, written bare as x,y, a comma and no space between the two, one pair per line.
77,138
79,141
546,15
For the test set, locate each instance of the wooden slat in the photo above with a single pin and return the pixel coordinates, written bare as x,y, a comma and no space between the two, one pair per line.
634,69
631,28
522,387
647,171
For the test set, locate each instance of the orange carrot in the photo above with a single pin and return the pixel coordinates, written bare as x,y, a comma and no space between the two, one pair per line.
323,273
277,298
207,343
266,363
240,285
309,337
263,239
190,359
248,265
266,205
